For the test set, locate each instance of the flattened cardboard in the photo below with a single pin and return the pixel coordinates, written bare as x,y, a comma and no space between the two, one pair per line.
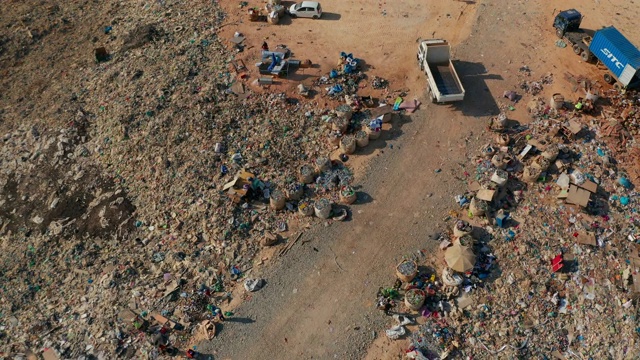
586,238
578,196
127,316
537,144
465,301
235,187
381,110
486,195
574,127
590,186
50,354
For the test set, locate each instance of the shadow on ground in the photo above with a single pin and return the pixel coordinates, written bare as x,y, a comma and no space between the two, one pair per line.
478,99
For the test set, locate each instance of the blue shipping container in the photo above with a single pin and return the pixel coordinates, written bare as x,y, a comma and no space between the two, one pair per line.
616,53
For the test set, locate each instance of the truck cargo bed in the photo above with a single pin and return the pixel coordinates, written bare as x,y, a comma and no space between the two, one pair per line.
445,79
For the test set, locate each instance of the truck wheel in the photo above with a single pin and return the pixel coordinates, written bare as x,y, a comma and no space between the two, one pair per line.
617,86
576,49
559,33
608,78
315,17
585,56
293,16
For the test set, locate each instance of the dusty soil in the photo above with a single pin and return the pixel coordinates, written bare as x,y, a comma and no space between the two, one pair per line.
319,301
319,298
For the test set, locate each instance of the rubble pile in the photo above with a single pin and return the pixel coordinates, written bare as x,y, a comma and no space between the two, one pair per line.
556,238
136,218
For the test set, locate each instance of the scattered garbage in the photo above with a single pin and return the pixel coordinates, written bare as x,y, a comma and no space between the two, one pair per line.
253,284
396,332
556,208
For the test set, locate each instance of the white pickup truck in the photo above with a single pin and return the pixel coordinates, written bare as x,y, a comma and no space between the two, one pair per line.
444,84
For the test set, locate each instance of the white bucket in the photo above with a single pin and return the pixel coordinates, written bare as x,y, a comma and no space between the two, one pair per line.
322,208
500,177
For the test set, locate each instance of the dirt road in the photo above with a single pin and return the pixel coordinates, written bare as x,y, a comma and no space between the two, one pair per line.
319,301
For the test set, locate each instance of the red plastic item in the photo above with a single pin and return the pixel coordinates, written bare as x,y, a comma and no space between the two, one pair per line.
557,263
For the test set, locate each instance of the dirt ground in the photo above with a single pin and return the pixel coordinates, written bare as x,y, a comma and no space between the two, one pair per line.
319,301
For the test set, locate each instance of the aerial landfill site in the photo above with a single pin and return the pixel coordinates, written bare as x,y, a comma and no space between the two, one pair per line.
319,180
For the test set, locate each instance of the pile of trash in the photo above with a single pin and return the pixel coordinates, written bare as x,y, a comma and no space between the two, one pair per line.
543,256
126,229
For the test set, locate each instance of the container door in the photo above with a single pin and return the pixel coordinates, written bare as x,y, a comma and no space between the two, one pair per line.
627,75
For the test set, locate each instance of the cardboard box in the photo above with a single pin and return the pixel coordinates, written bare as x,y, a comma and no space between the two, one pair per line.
589,186
578,196
486,195
586,238
235,188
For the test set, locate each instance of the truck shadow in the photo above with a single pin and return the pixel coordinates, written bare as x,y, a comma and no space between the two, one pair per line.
478,100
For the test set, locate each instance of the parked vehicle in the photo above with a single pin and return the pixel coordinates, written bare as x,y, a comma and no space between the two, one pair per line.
619,55
608,46
567,24
306,9
434,58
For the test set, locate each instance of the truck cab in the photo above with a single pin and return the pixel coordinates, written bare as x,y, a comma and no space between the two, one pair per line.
567,21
